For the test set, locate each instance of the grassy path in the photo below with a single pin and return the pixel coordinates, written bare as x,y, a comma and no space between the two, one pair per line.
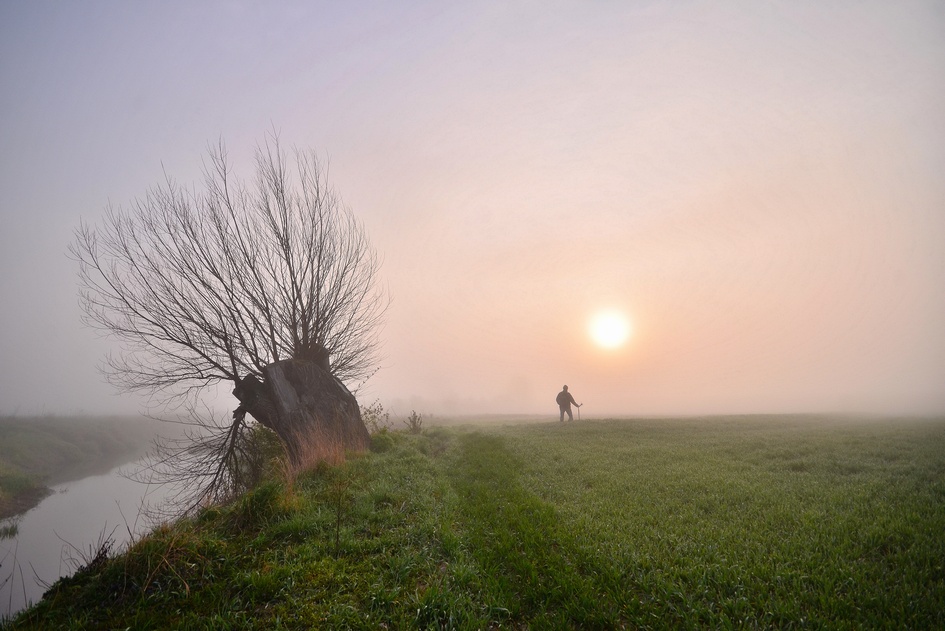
528,558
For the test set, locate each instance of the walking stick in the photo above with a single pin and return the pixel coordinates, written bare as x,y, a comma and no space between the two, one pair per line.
579,412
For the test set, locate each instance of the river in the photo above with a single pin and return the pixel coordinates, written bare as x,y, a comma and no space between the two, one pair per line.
68,522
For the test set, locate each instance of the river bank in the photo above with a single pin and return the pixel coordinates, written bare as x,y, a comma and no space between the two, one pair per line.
37,453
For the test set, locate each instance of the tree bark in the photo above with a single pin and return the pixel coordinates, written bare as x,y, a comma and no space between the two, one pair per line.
312,412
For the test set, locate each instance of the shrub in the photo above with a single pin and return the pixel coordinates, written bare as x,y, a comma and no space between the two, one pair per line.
415,422
375,417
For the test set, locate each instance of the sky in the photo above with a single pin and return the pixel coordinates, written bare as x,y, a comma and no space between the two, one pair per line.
756,186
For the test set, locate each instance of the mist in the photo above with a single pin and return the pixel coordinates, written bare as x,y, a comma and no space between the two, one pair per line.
756,188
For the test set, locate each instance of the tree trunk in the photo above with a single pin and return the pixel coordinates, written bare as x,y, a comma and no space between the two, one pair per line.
312,412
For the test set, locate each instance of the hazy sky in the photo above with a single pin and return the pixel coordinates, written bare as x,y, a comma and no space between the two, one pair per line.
758,186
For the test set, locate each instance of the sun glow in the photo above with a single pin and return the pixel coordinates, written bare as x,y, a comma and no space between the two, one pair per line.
609,329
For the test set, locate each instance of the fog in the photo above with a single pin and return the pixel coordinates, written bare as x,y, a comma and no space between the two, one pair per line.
757,187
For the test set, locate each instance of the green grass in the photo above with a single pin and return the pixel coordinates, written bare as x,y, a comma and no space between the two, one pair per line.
758,522
14,482
781,522
18,491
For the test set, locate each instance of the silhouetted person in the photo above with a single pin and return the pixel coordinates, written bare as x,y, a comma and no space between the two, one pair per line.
564,401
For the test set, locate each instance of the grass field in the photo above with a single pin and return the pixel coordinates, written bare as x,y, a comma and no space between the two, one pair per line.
778,522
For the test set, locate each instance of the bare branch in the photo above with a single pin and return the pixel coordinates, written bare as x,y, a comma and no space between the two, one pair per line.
217,284
210,286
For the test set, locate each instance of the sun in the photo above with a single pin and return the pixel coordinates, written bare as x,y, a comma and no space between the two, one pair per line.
609,329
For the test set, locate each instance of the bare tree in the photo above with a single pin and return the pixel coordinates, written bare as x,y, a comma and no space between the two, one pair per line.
271,287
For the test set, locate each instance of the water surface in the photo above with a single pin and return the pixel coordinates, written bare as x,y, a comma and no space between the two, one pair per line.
68,522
